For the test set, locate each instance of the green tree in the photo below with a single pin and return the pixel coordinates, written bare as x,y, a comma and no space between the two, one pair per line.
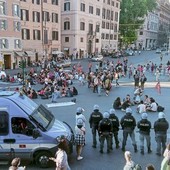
132,17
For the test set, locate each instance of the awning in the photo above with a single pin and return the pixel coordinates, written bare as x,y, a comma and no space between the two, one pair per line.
57,52
65,49
30,53
19,53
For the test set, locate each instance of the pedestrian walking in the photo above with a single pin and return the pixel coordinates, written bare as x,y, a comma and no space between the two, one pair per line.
115,128
80,115
142,80
160,127
61,159
105,132
128,124
95,117
79,138
144,126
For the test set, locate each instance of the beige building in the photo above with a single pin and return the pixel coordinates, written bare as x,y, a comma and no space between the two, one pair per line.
89,26
29,29
10,32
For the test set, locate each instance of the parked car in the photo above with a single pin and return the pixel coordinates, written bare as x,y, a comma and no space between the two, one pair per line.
64,63
129,52
97,58
2,74
158,51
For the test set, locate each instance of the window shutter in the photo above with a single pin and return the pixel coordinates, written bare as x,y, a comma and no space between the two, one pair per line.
6,25
1,43
19,44
15,44
27,15
7,43
38,16
21,14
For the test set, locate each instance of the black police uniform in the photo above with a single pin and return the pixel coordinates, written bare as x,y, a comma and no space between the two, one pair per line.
128,124
105,132
144,127
161,126
94,120
115,129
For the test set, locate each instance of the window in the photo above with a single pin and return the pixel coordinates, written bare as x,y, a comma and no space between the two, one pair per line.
103,13
17,26
24,15
36,16
2,8
107,36
112,13
108,2
103,24
82,7
45,1
113,3
3,43
23,0
115,37
54,35
25,34
108,14
97,40
81,39
66,39
90,9
4,123
3,24
141,33
17,43
97,28
46,16
55,17
66,25
102,36
67,6
91,29
36,2
82,26
36,35
98,11
22,126
16,10
116,16
54,2
117,5
107,25
115,28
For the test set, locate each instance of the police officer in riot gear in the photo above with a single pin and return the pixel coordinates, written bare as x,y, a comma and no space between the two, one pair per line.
94,120
160,127
144,126
128,124
105,131
115,125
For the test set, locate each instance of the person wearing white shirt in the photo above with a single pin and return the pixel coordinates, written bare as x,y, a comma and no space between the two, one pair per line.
141,107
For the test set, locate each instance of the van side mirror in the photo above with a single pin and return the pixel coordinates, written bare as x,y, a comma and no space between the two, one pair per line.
36,133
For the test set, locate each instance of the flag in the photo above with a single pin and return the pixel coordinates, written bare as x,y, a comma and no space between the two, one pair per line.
158,87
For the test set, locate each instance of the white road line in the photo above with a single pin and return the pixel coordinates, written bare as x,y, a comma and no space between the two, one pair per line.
60,104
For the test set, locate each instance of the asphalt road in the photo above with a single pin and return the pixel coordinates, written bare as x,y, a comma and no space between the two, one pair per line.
93,160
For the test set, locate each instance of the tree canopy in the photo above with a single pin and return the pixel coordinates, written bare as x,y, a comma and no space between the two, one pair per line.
132,17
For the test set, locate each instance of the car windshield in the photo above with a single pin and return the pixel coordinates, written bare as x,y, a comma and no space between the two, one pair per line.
42,117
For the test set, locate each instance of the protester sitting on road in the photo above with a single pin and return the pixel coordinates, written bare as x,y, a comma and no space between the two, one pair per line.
153,106
146,100
137,99
55,95
138,91
117,103
69,93
141,108
127,102
74,90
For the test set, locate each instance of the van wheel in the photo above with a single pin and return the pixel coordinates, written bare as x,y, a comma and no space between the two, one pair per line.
42,159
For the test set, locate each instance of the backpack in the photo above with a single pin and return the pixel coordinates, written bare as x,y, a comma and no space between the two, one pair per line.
137,167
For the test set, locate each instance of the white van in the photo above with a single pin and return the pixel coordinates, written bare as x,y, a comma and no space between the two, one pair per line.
28,130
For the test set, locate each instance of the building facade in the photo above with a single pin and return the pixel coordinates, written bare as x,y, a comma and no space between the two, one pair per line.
29,29
89,26
155,31
10,32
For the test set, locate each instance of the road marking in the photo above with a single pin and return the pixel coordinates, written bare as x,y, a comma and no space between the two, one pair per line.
60,104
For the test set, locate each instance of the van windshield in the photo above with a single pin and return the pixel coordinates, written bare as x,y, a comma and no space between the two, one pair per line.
42,117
